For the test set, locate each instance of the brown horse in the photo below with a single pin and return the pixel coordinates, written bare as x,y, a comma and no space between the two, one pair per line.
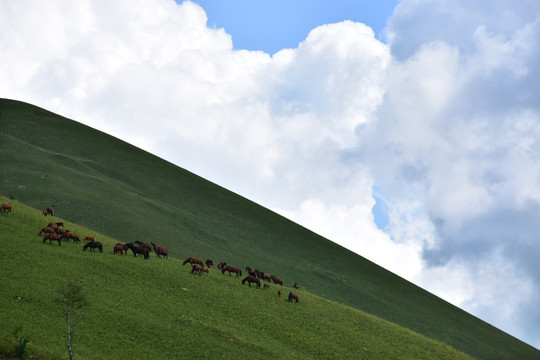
5,208
232,269
48,211
120,248
71,236
252,279
209,263
89,238
46,230
220,266
293,296
279,292
51,238
276,280
160,250
93,245
55,225
197,268
193,261
266,286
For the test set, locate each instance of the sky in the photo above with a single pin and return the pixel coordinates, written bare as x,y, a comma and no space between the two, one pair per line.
407,132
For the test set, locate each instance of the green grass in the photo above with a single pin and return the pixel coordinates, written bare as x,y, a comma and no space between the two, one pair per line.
104,184
155,309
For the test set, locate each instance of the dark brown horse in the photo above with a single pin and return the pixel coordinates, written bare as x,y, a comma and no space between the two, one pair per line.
232,269
51,238
252,279
220,266
93,245
144,245
5,208
266,286
160,250
277,280
209,263
120,248
48,211
293,296
138,250
193,261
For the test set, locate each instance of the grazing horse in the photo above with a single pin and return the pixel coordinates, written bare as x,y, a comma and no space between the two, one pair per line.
209,263
51,238
193,261
160,250
48,211
120,248
138,250
295,285
5,208
71,236
144,245
232,269
220,266
198,268
93,245
252,279
266,286
89,238
56,225
266,277
293,296
277,280
46,230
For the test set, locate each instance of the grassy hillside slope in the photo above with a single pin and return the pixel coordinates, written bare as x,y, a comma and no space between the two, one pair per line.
156,309
114,188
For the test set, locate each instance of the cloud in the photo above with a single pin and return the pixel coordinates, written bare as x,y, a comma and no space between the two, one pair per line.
457,131
444,121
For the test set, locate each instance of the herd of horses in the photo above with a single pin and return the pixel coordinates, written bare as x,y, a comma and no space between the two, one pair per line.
55,231
254,276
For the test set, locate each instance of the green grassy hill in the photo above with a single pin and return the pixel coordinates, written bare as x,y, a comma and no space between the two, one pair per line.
156,309
107,185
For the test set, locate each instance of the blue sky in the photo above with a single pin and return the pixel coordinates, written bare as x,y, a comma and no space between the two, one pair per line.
416,148
273,25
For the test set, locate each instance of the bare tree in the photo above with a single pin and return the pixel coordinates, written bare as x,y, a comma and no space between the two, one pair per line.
71,298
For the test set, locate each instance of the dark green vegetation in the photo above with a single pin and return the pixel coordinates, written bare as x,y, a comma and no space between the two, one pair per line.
104,184
155,309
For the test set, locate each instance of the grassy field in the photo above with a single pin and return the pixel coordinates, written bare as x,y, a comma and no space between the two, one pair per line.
104,184
156,309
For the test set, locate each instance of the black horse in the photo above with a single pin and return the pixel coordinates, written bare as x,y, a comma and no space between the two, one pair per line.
139,250
252,279
93,245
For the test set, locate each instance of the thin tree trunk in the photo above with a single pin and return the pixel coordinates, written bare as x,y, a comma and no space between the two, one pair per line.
69,342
